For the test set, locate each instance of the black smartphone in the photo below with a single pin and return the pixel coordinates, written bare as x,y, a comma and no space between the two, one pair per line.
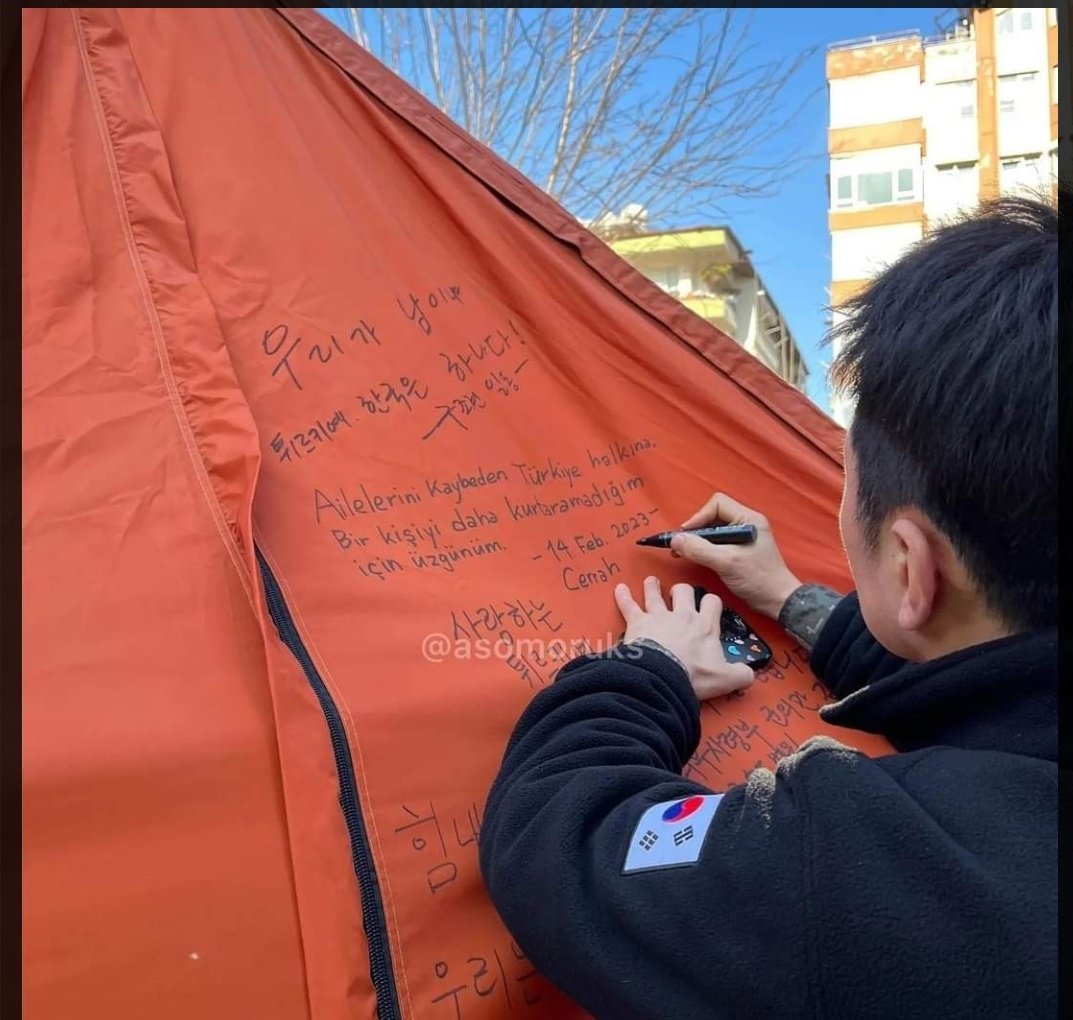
740,642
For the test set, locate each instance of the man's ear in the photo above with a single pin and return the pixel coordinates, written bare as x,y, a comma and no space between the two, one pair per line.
919,572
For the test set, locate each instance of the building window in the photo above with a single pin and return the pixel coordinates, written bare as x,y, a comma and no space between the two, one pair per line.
1015,20
1020,172
954,188
878,187
668,278
874,189
1015,92
843,192
1012,162
957,98
952,171
957,183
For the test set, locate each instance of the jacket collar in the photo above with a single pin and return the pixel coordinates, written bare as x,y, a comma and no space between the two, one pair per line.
997,696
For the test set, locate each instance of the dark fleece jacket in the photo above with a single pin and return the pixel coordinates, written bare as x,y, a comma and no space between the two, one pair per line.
919,884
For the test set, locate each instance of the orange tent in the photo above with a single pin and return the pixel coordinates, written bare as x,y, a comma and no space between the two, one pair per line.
335,432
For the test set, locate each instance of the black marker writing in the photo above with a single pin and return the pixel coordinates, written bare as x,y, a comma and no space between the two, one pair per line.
386,396
456,410
598,495
445,559
289,354
551,471
307,441
461,482
616,452
345,505
574,579
460,364
416,308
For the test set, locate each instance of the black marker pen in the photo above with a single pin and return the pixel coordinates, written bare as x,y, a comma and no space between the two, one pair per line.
726,534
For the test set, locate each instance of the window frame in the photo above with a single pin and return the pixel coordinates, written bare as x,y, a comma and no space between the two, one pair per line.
950,177
1033,161
898,196
1024,79
961,166
904,194
1007,23
659,277
960,110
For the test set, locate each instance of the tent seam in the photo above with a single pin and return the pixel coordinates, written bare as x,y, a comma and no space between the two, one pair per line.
186,429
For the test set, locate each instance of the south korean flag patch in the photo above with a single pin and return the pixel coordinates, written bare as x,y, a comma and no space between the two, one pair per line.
671,834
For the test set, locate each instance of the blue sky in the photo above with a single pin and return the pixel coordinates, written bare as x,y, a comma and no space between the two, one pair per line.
787,235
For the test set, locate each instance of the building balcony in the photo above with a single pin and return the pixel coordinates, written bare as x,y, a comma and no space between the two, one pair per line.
716,244
715,309
708,271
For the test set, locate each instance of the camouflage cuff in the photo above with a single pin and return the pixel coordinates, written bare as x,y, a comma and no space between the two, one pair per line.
805,612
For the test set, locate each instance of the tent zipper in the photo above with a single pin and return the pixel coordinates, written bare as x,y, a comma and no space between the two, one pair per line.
372,903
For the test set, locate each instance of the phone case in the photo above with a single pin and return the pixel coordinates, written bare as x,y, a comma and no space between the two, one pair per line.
740,642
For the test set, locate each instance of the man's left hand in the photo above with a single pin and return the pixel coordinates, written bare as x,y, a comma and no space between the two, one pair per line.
689,633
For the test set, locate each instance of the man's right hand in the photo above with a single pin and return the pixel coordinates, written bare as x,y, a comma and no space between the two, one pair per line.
756,572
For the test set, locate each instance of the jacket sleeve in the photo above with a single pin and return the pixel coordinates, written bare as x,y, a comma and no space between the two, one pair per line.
846,657
722,937
806,611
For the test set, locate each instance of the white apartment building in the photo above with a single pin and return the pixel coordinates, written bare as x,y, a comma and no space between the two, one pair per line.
923,128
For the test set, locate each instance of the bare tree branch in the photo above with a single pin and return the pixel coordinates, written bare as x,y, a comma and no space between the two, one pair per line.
432,48
672,108
568,103
356,29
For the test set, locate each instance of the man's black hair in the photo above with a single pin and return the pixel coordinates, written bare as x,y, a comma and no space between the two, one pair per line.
950,354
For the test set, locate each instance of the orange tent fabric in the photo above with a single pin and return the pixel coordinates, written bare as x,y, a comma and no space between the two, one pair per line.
309,377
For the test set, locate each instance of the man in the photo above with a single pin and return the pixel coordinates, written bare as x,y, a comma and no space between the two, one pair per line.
917,884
